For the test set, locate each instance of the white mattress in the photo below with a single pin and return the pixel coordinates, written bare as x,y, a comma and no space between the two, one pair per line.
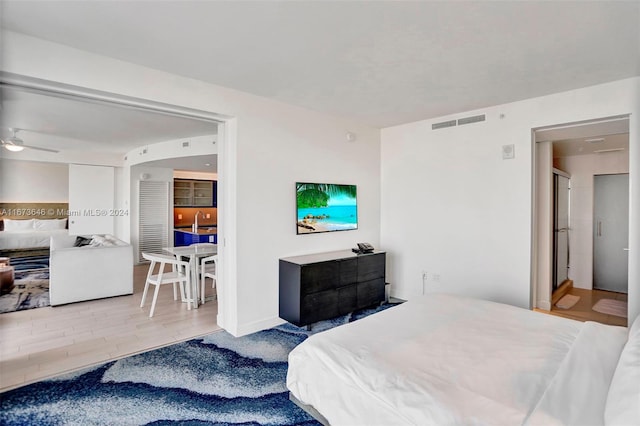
447,360
28,239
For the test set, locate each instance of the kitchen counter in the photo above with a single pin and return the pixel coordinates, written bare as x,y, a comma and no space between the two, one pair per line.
201,231
185,236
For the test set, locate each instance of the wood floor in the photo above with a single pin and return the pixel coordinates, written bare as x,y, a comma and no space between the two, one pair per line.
44,342
582,310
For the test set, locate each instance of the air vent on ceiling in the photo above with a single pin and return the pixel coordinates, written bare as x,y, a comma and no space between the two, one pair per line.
185,144
468,120
443,125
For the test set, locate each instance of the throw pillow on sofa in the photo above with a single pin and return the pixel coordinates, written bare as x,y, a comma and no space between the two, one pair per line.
82,241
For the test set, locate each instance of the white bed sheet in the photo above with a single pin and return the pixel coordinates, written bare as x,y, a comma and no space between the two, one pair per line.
28,239
445,360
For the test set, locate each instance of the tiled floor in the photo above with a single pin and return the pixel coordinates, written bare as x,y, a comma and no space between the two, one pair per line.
582,310
44,342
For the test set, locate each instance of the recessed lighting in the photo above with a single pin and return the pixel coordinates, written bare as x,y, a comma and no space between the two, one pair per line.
594,140
207,164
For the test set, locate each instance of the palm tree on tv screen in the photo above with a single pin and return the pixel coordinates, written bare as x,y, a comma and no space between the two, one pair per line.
311,195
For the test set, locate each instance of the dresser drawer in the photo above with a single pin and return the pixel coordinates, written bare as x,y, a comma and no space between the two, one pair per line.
347,299
348,272
319,306
319,277
371,267
370,292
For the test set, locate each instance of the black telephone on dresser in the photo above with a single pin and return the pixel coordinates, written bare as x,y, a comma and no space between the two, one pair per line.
363,248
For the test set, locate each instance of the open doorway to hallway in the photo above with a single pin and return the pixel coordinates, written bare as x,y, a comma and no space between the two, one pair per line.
582,153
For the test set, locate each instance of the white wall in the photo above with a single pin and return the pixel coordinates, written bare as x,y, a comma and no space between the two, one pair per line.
454,207
122,224
282,146
582,168
33,182
197,145
273,146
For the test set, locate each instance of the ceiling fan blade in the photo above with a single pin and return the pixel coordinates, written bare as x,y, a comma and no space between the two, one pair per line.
41,149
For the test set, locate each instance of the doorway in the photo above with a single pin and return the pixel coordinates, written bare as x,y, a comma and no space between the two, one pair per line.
226,137
581,150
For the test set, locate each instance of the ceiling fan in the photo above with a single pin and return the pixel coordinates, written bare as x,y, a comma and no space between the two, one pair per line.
16,144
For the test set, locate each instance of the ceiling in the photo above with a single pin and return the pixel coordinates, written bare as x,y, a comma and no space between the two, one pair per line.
597,137
200,163
381,63
73,124
601,144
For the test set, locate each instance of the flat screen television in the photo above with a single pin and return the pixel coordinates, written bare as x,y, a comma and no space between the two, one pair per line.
325,207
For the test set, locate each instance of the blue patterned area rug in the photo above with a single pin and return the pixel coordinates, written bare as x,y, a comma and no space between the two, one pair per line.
31,288
215,380
30,263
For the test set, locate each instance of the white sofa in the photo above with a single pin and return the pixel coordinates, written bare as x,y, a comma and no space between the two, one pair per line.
90,272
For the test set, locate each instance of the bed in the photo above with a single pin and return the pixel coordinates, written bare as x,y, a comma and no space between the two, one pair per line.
30,226
445,360
30,233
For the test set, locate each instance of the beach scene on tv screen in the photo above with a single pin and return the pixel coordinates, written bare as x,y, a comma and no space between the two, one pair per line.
324,207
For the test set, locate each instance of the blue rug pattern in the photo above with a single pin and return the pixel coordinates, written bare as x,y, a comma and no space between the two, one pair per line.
29,263
215,380
31,291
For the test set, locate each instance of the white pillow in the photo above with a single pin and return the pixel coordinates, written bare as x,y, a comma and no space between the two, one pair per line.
13,225
49,224
623,399
114,240
110,237
98,241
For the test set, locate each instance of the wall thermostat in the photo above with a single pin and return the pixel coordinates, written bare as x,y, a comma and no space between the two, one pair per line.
508,152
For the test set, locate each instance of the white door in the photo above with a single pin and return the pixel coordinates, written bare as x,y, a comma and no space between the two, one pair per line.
611,233
91,199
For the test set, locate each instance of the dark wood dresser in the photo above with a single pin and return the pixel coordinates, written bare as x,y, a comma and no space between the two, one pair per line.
321,286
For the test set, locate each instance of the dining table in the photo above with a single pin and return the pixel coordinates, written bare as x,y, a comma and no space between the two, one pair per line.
194,252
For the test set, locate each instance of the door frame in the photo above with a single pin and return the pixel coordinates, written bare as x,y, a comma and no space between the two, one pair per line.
541,245
227,170
558,172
